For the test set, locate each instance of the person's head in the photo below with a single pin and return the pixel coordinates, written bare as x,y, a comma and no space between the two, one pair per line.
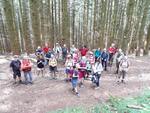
84,46
73,46
38,47
105,50
88,62
69,56
112,45
46,45
16,57
26,57
83,58
120,50
99,48
91,53
52,56
64,45
57,44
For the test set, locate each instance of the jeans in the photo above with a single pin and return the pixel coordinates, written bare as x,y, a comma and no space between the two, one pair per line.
28,76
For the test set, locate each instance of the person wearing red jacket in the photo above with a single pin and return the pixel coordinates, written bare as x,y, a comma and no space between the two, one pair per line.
45,49
83,51
112,50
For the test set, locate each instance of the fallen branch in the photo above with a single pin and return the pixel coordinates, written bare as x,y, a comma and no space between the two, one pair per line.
134,107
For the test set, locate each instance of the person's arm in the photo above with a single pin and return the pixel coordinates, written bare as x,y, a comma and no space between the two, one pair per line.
10,64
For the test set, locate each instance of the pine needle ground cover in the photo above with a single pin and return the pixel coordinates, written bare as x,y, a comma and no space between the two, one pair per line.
139,104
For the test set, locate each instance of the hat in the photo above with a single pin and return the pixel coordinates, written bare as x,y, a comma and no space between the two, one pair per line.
120,50
90,52
104,49
16,56
26,57
39,47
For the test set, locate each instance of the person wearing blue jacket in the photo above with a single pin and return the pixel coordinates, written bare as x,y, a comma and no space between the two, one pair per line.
97,53
105,57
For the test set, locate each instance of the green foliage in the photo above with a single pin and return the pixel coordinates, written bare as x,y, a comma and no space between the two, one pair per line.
139,104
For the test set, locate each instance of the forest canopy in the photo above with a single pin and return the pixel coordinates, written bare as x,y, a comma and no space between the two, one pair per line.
26,24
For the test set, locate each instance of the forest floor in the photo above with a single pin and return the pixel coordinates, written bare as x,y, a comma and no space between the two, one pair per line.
47,95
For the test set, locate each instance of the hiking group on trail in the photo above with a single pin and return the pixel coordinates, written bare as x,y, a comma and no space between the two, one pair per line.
80,64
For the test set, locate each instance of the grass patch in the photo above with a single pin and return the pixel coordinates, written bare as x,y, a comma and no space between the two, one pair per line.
139,104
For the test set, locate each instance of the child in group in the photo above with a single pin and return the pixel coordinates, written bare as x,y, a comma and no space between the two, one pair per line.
123,67
64,53
16,66
26,67
74,79
40,65
97,70
53,66
105,58
82,70
69,64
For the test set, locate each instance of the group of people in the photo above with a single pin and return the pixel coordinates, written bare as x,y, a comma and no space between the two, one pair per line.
80,64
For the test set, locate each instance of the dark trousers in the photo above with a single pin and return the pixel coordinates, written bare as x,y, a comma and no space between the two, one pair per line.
98,77
117,66
104,64
123,74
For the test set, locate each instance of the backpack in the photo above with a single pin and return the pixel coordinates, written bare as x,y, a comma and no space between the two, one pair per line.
124,64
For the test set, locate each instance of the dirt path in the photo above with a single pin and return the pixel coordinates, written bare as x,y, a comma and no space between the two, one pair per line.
46,95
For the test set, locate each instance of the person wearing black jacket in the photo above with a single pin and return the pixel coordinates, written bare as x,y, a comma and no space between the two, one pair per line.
16,65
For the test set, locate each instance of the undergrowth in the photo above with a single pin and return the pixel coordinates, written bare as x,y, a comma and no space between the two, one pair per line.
139,104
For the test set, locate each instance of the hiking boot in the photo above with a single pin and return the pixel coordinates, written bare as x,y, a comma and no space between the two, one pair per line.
31,82
20,81
122,81
77,94
15,82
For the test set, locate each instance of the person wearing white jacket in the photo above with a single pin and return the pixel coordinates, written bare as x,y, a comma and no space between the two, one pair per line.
97,70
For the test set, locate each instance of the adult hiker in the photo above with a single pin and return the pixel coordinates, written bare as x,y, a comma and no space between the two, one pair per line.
123,68
83,51
40,65
26,67
97,53
58,51
112,50
64,52
38,51
72,49
97,70
105,57
16,66
120,55
53,66
46,48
